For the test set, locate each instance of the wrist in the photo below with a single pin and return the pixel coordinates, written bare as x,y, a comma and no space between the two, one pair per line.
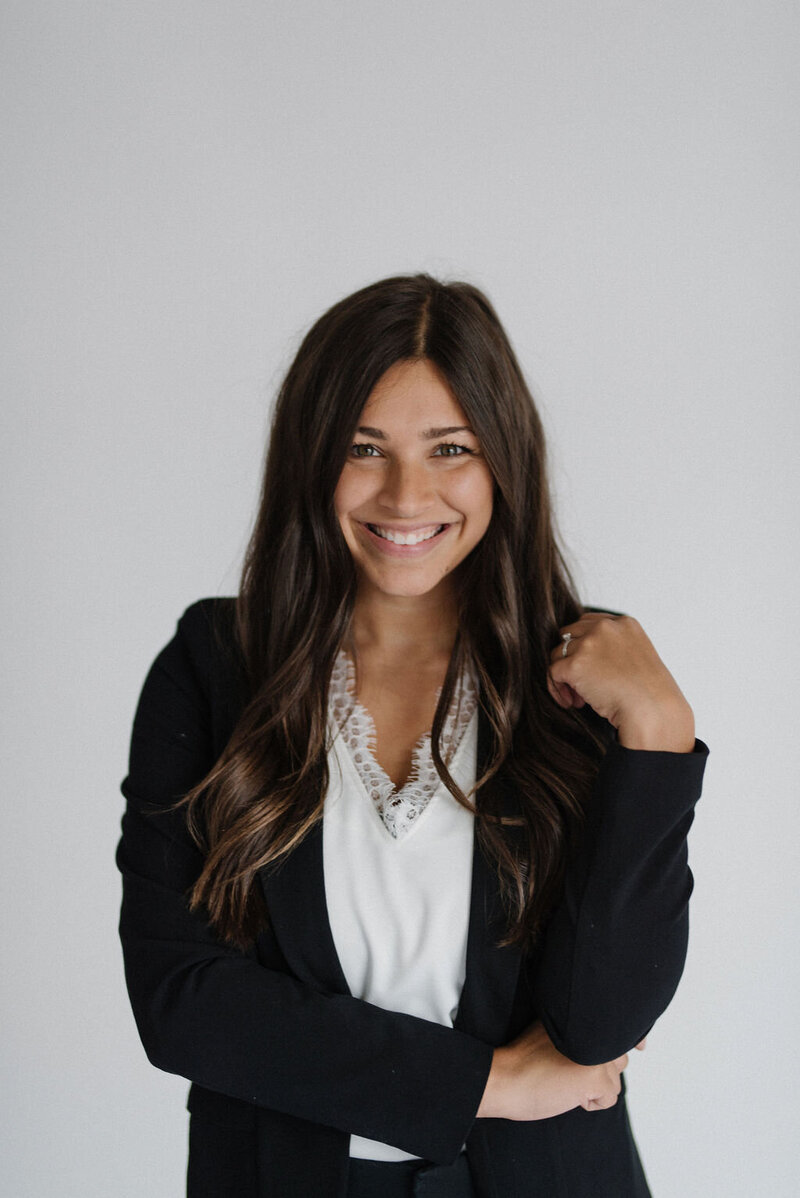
665,727
490,1106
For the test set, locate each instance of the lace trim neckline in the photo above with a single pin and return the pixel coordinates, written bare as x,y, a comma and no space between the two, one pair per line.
399,809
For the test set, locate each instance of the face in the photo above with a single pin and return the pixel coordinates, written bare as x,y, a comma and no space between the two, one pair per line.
415,495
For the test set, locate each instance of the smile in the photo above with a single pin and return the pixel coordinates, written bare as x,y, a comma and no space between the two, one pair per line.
407,538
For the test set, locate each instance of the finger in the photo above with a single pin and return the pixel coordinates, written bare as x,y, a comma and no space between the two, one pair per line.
601,1103
559,691
621,1063
642,1045
586,620
564,693
557,652
556,655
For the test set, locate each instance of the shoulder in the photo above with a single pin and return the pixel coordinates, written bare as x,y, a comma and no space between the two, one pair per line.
193,691
208,626
200,660
206,643
206,618
204,631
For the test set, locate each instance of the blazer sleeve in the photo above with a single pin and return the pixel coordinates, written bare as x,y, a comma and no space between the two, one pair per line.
615,947
217,1016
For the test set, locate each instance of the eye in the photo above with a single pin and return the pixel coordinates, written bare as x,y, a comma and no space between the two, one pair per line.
355,450
451,449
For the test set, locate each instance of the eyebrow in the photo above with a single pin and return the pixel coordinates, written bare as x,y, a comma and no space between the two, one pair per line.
429,435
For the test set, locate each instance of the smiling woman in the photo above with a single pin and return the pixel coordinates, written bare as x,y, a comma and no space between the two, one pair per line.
404,854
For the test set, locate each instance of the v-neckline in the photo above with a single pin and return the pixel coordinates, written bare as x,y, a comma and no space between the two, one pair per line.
397,807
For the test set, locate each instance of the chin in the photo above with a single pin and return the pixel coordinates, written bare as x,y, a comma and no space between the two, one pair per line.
406,588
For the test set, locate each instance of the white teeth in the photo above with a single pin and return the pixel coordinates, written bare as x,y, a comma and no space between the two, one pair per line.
409,538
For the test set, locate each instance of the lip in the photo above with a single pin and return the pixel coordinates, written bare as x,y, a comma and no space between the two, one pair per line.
406,527
389,549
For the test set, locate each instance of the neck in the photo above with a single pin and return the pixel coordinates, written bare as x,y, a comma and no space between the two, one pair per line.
414,627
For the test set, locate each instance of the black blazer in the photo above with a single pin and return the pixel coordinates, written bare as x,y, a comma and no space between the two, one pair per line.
285,1062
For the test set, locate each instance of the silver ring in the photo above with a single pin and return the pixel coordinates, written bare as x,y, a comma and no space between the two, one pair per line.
566,638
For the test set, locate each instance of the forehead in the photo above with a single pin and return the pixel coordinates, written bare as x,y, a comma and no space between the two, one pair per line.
410,392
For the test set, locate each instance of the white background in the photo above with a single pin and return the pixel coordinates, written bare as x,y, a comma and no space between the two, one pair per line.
188,186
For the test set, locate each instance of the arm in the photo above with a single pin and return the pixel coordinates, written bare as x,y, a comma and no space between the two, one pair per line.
615,947
215,1015
531,1079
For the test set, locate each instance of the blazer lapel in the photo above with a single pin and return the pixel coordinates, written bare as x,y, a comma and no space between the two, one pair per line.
491,977
298,914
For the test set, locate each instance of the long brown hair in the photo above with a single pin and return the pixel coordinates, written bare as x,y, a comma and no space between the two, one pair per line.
298,588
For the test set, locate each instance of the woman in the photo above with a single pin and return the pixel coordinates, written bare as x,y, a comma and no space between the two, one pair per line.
404,856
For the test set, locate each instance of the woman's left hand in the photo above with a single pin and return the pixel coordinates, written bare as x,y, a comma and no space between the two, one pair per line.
611,664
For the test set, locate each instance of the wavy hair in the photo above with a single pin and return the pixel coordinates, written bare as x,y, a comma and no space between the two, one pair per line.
297,593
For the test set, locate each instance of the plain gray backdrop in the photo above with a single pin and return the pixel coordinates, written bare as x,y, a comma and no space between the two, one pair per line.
187,185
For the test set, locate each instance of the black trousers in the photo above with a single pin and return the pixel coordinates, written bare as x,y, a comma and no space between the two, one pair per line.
409,1179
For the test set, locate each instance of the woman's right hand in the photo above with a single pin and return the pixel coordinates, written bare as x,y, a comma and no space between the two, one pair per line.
531,1079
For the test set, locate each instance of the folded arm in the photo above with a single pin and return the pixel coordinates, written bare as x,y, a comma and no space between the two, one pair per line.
615,947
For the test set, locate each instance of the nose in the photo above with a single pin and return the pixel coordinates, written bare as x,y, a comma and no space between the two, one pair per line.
407,489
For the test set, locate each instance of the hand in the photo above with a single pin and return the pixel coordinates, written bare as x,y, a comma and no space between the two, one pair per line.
611,664
531,1079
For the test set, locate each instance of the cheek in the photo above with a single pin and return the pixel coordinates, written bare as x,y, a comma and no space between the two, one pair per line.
338,502
352,492
340,511
343,497
475,496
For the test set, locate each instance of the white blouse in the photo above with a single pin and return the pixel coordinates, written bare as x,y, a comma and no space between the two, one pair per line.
398,865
